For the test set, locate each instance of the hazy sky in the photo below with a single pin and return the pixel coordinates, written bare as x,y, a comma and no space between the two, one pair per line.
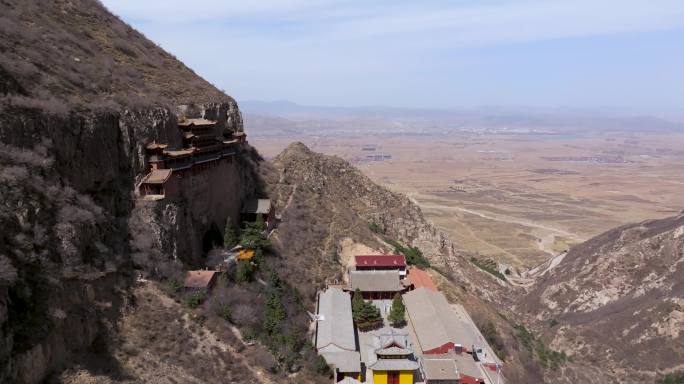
571,53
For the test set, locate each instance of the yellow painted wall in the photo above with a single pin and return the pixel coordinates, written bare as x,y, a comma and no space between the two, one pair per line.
380,377
406,377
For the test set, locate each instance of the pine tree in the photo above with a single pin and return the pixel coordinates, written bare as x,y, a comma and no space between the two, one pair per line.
275,313
260,224
244,271
364,313
396,315
230,239
357,304
253,235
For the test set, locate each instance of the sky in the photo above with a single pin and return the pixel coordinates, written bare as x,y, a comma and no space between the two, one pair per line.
429,53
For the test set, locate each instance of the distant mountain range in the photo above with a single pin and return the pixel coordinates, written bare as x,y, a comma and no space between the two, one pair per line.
521,119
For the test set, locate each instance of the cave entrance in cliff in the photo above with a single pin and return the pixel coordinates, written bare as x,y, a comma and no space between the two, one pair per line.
212,238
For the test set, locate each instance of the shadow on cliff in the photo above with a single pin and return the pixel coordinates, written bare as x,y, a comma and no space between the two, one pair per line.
98,362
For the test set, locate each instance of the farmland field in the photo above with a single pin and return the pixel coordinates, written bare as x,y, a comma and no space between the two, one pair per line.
518,198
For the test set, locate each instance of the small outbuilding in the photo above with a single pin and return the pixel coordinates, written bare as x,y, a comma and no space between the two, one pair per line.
259,207
200,280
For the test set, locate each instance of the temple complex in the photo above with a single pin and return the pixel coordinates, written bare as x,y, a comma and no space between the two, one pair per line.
203,148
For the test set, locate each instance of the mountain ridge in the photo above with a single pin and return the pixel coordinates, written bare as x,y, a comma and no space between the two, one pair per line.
620,293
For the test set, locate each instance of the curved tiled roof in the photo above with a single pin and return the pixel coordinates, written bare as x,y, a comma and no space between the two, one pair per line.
394,365
335,330
380,261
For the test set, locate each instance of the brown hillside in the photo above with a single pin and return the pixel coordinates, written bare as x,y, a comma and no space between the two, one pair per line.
78,52
617,304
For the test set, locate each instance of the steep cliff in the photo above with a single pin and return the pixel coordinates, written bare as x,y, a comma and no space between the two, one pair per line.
81,94
616,304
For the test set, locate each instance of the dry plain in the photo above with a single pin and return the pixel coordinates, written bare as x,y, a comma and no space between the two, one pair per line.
519,198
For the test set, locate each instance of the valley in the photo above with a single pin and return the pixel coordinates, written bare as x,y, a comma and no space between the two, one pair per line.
516,198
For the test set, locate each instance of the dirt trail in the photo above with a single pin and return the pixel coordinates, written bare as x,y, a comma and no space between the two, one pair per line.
507,219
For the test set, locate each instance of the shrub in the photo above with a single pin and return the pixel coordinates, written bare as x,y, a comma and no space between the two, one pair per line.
223,311
375,228
244,271
321,365
672,378
494,339
547,357
396,316
194,299
489,266
175,285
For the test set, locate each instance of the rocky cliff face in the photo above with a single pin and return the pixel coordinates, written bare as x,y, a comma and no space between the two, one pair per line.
616,304
81,94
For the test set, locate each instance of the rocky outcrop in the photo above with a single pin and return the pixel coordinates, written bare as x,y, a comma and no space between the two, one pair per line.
617,303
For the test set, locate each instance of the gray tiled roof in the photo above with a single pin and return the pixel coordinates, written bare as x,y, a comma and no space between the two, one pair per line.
394,365
257,206
467,366
439,367
375,281
335,331
344,361
435,322
393,351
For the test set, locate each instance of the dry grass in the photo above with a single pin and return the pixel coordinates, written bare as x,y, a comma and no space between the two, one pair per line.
76,51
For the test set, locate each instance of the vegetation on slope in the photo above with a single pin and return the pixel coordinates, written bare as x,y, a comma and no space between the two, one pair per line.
547,357
488,266
413,255
78,52
672,378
